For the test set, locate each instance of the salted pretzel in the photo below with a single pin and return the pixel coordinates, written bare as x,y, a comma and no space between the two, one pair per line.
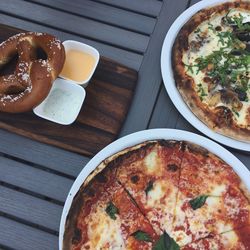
32,79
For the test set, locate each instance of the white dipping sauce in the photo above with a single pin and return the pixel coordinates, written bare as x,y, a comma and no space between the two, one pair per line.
62,106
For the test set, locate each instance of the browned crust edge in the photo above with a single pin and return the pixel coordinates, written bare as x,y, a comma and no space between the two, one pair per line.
220,121
114,161
111,162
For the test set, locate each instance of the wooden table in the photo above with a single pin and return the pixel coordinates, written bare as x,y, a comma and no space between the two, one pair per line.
35,178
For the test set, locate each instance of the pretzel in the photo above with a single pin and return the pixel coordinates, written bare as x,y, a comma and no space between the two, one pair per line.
32,79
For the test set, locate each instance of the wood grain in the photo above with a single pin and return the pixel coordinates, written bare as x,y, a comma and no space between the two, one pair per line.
103,13
15,235
76,25
28,208
109,95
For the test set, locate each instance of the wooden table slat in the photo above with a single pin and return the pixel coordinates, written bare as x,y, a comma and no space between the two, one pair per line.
103,13
53,158
31,209
35,180
166,115
18,236
148,7
76,25
150,74
127,58
192,2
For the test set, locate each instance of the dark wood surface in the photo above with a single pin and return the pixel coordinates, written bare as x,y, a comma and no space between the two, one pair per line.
35,177
109,95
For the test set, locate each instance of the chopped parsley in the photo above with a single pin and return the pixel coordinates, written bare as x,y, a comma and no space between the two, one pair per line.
201,91
238,22
229,66
197,31
211,27
236,112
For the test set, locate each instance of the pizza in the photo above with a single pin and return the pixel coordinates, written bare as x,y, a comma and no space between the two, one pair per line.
211,66
160,194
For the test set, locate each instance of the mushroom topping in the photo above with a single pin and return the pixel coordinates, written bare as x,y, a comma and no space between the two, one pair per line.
242,95
215,99
231,98
195,46
211,84
243,36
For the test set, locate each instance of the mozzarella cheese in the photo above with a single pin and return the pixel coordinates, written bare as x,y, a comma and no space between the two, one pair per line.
161,201
151,162
228,240
192,224
211,42
104,232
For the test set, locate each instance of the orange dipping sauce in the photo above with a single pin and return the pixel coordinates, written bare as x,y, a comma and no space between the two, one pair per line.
78,65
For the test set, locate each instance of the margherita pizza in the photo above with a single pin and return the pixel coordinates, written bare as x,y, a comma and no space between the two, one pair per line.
211,64
160,195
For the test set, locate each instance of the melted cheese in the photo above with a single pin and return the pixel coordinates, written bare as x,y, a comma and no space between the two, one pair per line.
241,117
151,162
161,202
218,190
227,240
155,195
210,45
104,232
192,224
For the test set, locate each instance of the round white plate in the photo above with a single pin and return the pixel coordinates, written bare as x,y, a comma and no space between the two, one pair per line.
139,137
169,82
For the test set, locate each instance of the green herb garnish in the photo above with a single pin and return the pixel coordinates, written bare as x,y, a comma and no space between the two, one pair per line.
236,112
211,27
142,236
189,68
226,66
149,187
112,210
197,31
166,243
201,91
198,202
238,21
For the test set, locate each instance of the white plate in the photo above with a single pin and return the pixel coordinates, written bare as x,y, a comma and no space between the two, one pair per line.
168,79
133,139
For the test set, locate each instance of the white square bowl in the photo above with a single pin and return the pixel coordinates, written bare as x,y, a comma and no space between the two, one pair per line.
63,103
82,47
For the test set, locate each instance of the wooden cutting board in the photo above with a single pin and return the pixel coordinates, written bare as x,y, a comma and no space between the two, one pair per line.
108,98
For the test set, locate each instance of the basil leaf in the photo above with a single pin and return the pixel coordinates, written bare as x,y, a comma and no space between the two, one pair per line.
142,236
112,210
166,243
149,187
198,201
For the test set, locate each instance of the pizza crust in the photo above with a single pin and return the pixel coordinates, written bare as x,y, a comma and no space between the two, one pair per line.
107,169
220,121
71,232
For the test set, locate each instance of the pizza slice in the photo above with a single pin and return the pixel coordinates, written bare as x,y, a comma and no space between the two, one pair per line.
210,199
151,175
232,240
106,218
